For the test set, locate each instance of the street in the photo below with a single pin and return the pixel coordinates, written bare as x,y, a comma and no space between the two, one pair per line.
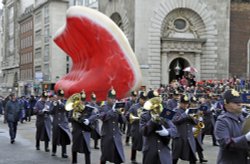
23,150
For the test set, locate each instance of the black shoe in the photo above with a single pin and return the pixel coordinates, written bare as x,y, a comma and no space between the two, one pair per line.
37,148
12,141
96,147
47,150
53,154
64,156
203,160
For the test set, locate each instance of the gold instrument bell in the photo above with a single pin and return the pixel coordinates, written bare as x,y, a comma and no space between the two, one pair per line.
74,103
133,118
155,107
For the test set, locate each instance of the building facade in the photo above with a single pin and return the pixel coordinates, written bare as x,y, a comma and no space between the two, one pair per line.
171,34
240,39
50,62
10,60
26,52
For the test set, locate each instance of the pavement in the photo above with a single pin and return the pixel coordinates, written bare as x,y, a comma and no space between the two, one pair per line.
23,151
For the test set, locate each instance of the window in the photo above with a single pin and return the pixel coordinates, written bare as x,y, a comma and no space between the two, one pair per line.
38,17
79,2
46,34
46,72
38,35
38,53
46,53
46,14
38,68
11,46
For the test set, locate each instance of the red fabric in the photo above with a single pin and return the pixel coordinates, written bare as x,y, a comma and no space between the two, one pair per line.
98,61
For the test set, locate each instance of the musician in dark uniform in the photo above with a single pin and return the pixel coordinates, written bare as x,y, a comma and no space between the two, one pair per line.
95,132
43,121
184,146
83,116
134,117
129,103
111,139
173,103
234,145
61,134
197,130
156,133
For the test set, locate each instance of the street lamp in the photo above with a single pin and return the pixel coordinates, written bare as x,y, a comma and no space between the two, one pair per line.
177,68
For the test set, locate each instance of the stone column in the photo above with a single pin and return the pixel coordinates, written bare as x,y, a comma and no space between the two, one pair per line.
164,68
198,66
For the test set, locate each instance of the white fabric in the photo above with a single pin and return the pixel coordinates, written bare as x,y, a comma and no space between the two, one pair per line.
248,136
163,132
86,122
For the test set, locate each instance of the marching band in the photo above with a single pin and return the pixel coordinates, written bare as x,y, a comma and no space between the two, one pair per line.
164,130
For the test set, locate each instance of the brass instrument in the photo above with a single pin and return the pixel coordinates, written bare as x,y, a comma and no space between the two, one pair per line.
119,107
133,118
155,107
246,125
74,103
200,124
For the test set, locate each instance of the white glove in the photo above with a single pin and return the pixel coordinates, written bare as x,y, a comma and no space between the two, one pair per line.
86,121
201,119
248,136
163,132
60,102
45,109
194,129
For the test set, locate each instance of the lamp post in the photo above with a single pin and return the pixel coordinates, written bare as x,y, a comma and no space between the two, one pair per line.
177,68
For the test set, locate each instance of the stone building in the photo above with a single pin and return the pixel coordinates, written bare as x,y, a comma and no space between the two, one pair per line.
239,64
26,52
169,35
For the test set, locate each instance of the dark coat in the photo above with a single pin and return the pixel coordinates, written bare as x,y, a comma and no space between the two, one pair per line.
208,120
81,132
13,109
137,140
233,145
111,138
172,104
155,147
43,121
95,131
185,142
61,134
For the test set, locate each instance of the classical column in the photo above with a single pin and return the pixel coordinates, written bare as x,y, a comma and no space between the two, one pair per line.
164,69
198,66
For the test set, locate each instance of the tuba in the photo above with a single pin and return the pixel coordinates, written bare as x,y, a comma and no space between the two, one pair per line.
74,104
155,107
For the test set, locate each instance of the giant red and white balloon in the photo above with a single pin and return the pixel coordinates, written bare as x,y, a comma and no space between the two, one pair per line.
101,55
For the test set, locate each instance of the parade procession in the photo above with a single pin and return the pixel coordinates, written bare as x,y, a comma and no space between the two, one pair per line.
105,110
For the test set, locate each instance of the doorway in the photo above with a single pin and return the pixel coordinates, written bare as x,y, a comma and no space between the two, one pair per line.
176,68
